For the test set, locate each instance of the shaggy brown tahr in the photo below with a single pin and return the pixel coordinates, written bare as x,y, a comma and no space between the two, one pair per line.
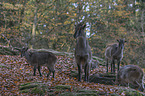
38,59
114,52
82,51
131,74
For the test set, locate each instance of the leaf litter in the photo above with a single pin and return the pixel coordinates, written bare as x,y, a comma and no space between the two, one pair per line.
15,71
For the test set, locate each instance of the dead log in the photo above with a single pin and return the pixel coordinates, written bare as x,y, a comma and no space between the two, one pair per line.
108,79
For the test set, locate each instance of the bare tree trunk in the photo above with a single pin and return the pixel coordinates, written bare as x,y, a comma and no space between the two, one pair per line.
142,22
142,27
34,25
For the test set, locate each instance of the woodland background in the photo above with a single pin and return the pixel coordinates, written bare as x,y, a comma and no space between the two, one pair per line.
50,24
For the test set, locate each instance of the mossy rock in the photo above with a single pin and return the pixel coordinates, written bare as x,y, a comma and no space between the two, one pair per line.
67,94
102,78
86,94
25,84
77,94
63,87
37,91
27,87
87,91
133,93
51,94
25,91
113,94
58,90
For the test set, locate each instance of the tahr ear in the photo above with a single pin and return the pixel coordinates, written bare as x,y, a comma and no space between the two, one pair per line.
83,26
124,40
75,25
26,49
75,34
117,40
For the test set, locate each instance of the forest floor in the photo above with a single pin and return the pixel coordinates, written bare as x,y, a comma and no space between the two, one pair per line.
16,78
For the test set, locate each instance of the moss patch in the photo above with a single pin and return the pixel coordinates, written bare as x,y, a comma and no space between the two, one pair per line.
27,87
63,87
25,91
68,94
37,91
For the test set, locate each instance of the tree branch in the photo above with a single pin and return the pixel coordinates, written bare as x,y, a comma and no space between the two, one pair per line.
7,40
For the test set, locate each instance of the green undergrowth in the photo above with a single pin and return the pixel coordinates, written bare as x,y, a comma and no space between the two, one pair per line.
70,90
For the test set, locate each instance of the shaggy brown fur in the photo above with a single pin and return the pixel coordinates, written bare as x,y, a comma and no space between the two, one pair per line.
82,52
114,52
131,74
38,59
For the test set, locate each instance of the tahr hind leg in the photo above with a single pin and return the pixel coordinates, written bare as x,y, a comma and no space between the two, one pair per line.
39,70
